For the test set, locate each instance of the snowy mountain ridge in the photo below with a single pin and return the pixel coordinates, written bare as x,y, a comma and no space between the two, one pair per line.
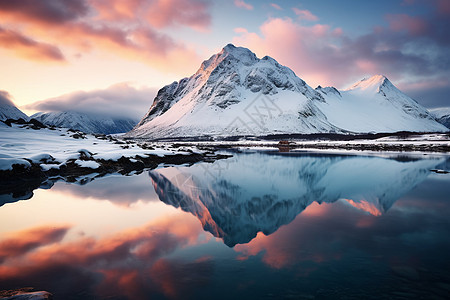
84,122
8,110
224,86
236,93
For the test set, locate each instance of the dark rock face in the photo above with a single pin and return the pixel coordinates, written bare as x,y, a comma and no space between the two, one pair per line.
328,90
165,99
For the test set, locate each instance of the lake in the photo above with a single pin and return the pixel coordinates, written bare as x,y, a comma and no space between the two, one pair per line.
259,225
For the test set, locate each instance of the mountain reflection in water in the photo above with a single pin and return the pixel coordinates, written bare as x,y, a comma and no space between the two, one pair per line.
236,198
260,225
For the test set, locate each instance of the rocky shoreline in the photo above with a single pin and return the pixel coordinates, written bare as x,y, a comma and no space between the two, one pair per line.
45,155
396,142
20,182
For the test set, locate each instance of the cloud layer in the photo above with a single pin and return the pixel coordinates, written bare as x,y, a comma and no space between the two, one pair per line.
410,46
29,48
49,30
120,100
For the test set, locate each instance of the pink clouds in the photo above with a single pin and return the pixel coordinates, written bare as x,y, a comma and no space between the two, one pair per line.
47,12
305,14
130,263
443,7
413,25
163,13
276,6
26,241
158,13
280,251
299,47
242,4
131,31
26,47
321,54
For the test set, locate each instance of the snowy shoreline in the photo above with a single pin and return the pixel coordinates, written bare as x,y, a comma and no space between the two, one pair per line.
32,156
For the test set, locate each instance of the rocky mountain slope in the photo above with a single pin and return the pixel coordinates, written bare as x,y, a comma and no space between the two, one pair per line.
236,93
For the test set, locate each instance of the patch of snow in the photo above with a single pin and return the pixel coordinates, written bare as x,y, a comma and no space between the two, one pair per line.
56,146
87,164
46,167
8,163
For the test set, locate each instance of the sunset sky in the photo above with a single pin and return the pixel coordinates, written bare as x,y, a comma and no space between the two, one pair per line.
115,54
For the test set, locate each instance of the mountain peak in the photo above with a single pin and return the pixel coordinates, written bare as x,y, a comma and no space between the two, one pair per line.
239,53
229,52
374,83
228,48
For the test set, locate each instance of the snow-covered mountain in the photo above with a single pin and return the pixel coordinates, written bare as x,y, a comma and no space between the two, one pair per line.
375,105
238,197
84,122
442,115
8,110
236,93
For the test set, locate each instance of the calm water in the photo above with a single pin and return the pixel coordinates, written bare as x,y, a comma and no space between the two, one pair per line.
260,225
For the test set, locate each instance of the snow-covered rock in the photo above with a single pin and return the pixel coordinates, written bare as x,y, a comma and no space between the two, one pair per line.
442,115
8,110
84,122
236,93
49,147
32,158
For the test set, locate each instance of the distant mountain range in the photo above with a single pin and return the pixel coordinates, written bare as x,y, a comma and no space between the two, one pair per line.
86,123
73,120
442,115
235,93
